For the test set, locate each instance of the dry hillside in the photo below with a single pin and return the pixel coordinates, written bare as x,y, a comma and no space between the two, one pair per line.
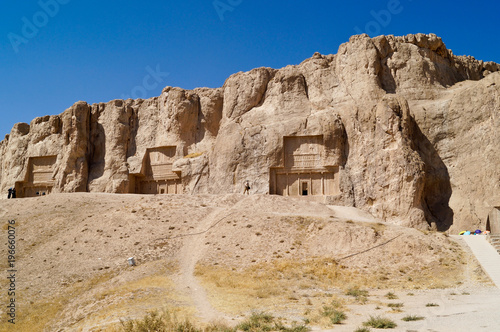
208,256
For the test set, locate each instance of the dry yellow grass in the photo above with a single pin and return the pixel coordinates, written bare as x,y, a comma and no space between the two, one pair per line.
114,299
265,285
271,284
321,316
132,299
137,297
38,314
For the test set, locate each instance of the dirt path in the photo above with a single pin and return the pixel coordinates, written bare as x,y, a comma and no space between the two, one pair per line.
190,253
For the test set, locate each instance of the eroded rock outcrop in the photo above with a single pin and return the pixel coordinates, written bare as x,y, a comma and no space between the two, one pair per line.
397,126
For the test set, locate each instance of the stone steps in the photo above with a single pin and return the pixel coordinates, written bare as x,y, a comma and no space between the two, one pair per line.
495,241
486,254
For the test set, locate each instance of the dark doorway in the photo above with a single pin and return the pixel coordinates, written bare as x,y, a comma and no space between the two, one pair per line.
304,188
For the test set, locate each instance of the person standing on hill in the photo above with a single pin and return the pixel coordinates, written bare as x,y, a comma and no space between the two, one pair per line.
247,188
10,193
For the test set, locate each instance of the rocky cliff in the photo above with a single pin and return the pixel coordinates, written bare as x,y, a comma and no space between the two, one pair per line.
397,126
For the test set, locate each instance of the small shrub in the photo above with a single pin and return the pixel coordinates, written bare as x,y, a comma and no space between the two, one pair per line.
329,314
257,321
328,311
362,329
362,299
360,295
380,323
261,321
218,327
395,305
152,321
356,292
166,321
391,296
338,317
296,328
411,318
432,305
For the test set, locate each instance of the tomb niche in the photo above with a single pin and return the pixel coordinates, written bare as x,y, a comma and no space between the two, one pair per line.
39,180
157,175
306,169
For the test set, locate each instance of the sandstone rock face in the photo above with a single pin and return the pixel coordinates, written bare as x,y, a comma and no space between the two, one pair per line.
397,126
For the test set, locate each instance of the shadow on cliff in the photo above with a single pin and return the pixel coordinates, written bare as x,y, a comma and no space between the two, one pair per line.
200,126
132,138
437,186
97,152
386,79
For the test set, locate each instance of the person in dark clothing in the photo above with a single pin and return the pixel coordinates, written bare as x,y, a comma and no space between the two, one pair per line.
13,193
10,193
247,188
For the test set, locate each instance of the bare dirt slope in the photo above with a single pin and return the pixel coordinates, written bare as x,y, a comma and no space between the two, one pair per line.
207,256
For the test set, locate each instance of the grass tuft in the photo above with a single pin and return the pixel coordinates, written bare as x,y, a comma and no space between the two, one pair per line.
411,318
380,323
362,329
338,317
360,295
391,296
168,321
328,315
164,321
261,321
356,292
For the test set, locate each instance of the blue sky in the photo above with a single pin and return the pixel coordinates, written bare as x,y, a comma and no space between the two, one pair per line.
54,53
